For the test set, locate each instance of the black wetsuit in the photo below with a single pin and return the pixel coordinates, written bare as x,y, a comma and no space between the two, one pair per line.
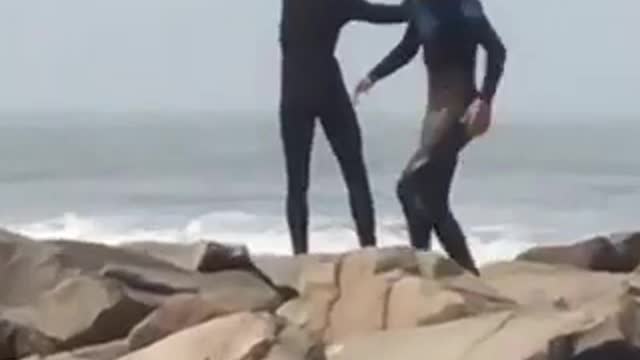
312,87
449,32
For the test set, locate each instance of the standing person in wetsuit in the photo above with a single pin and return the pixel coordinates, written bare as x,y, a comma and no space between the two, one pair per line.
312,87
449,32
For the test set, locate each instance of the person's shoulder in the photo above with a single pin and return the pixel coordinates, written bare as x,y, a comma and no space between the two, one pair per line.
472,9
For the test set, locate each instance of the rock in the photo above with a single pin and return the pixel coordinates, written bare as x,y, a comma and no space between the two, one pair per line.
363,295
597,254
79,294
235,337
434,266
7,237
297,312
628,246
293,343
318,285
201,256
32,268
396,258
483,337
17,341
412,305
244,288
81,311
176,314
374,289
629,315
286,271
204,257
544,285
360,309
618,350
184,311
109,351
607,331
163,281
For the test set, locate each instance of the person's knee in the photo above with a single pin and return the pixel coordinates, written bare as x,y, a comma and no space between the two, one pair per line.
439,211
297,189
357,182
404,189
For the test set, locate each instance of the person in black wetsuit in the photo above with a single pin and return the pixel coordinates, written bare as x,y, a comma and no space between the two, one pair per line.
312,87
449,32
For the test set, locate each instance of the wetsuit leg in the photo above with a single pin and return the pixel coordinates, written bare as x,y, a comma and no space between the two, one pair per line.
419,225
446,226
343,132
424,194
297,129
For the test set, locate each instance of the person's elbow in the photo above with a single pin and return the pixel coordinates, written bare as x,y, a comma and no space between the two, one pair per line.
499,54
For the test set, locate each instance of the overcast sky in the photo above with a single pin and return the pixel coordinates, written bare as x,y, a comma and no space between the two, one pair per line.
576,56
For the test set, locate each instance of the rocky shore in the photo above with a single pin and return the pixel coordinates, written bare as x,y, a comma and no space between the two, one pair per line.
72,300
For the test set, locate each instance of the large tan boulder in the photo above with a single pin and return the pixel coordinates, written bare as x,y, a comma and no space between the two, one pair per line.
415,302
293,343
318,286
616,253
81,311
78,294
232,285
240,336
203,256
375,289
437,267
628,246
108,351
537,284
31,268
17,341
187,310
363,296
286,271
499,336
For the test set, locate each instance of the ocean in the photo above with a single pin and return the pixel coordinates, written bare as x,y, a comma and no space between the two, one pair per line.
182,177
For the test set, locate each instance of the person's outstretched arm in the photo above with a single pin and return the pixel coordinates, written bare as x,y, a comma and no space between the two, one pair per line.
363,10
397,58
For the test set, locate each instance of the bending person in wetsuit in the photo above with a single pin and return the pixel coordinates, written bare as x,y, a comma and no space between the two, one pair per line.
312,87
449,32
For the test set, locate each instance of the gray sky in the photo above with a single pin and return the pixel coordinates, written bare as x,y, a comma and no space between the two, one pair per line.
574,56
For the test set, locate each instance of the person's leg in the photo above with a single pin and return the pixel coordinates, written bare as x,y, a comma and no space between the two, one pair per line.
419,225
446,226
343,132
297,129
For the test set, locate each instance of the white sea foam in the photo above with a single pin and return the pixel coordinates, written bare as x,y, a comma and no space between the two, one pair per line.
264,234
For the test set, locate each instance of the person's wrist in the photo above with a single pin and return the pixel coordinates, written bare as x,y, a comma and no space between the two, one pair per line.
485,99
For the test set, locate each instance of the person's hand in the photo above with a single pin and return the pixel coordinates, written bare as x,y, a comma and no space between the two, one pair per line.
362,88
477,118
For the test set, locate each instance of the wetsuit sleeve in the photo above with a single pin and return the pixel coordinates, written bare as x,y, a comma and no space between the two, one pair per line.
496,57
363,10
399,56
